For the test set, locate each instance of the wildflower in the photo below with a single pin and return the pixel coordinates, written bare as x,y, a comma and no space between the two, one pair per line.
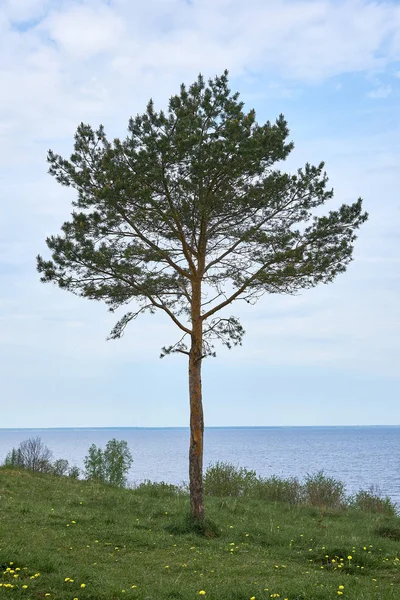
341,587
83,585
133,586
202,592
24,587
253,598
349,557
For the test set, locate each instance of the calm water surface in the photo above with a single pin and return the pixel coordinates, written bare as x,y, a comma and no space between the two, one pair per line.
358,456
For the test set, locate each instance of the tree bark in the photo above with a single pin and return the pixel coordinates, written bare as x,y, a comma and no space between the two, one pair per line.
196,409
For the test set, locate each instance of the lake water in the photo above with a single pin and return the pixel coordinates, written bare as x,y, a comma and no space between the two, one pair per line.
358,456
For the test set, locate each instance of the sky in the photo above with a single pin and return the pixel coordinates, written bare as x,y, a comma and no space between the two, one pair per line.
329,356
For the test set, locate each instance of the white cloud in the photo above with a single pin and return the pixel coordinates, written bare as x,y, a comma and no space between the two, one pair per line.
85,31
20,11
383,91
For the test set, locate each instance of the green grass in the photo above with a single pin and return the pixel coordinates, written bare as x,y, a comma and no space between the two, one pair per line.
139,544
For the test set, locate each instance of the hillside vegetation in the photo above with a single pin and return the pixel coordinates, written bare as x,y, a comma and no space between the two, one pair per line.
67,539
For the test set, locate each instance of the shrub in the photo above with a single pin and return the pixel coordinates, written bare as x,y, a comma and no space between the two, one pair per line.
73,472
14,459
390,531
109,466
372,501
156,489
60,467
31,454
224,479
275,489
324,492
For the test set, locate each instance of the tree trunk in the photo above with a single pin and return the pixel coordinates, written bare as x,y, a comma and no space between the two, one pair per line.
196,411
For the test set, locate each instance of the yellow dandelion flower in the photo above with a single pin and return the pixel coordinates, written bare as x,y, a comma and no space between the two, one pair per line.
349,557
202,592
83,585
24,587
341,587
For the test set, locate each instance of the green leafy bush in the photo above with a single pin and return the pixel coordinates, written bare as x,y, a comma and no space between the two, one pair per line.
157,489
110,465
60,467
73,472
275,489
324,492
224,479
372,501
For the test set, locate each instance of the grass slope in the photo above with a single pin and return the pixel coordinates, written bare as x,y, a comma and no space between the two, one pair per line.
62,539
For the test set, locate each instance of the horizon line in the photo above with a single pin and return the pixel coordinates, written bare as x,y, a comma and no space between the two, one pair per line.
187,427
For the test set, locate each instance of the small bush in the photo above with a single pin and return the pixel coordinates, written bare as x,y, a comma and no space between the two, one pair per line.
157,489
372,501
224,479
392,532
14,459
109,466
275,489
324,492
73,472
60,467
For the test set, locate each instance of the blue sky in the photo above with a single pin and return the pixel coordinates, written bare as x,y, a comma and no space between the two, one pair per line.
328,357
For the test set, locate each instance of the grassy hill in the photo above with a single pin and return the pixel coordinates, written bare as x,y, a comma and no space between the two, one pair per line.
63,539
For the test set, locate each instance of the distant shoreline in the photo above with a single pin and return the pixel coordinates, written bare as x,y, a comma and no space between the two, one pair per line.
152,428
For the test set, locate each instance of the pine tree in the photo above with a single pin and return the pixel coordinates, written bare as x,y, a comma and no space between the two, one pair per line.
188,214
